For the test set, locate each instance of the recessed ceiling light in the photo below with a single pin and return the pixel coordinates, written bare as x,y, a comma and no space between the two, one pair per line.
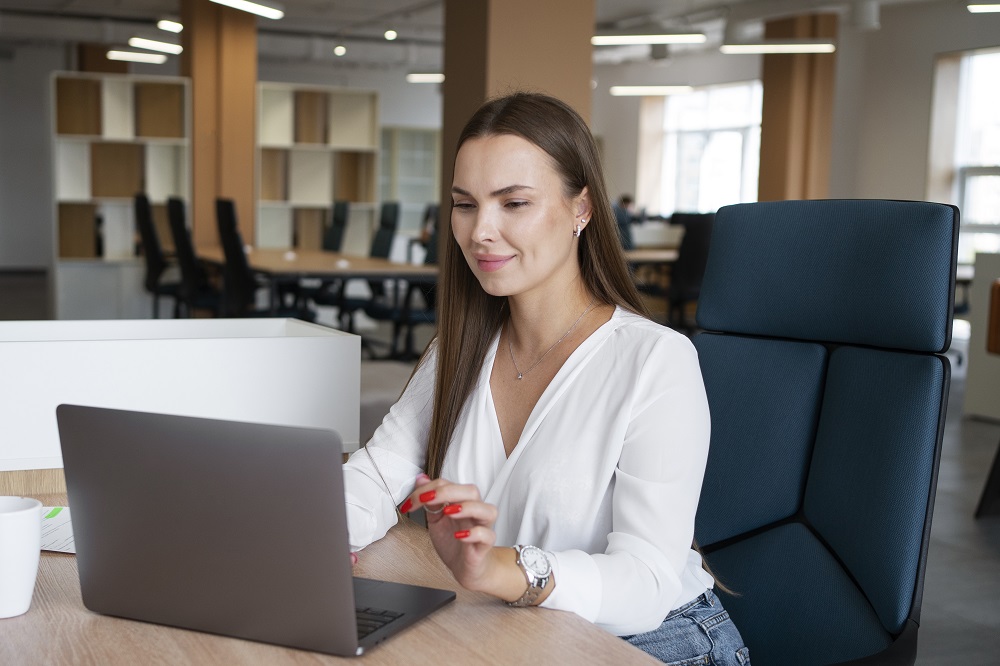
134,56
339,50
391,35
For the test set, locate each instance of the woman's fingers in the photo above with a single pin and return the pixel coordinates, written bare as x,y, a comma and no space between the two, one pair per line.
478,534
436,494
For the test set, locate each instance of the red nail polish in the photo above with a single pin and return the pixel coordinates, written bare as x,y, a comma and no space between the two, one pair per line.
407,505
452,509
461,534
427,497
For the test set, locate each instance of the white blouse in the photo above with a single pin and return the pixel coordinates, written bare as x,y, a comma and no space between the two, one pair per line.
606,474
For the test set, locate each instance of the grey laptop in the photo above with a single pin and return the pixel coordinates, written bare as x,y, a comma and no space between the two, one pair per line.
231,528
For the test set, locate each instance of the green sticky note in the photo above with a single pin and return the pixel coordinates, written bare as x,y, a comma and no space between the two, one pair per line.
54,512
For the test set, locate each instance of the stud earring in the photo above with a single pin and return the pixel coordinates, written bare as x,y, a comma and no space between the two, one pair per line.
579,229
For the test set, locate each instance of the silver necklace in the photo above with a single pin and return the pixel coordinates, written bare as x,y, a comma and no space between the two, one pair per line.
510,350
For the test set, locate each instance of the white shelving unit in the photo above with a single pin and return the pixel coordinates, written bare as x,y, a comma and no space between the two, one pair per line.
113,135
315,145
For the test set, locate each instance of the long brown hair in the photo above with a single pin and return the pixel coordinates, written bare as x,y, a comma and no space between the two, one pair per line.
468,317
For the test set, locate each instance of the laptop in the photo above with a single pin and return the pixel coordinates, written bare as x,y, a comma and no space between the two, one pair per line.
230,528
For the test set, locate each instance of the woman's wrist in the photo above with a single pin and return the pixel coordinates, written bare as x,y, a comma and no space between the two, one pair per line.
505,578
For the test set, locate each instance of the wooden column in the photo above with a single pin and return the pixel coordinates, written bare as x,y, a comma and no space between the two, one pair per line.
220,57
797,113
492,47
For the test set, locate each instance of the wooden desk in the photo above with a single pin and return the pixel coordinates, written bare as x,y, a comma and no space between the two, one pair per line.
651,256
322,264
474,629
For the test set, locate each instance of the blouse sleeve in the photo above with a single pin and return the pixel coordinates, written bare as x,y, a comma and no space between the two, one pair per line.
393,459
635,583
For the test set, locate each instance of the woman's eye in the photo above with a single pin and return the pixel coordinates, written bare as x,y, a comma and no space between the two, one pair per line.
516,204
465,205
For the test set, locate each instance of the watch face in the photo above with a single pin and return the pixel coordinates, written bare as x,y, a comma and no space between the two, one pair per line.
535,559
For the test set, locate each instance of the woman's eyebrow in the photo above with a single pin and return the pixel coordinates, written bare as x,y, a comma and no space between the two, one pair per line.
496,193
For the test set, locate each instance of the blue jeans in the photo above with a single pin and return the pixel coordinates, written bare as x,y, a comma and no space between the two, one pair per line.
699,632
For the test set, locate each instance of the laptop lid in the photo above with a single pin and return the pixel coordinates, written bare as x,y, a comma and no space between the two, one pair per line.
231,528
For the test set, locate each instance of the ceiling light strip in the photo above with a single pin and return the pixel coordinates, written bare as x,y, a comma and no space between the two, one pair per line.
648,91
983,9
153,45
626,40
134,56
252,7
425,77
743,49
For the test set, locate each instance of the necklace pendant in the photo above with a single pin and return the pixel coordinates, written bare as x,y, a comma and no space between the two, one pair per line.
520,376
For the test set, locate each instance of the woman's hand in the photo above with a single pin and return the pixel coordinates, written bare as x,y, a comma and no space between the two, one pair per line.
461,529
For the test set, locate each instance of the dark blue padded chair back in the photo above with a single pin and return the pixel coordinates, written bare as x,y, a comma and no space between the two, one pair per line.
824,325
333,235
687,273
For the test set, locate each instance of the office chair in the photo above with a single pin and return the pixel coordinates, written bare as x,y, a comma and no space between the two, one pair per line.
824,327
152,253
684,284
240,283
333,235
196,291
381,246
404,314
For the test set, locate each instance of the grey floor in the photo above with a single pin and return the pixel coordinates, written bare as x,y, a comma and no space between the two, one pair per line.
960,622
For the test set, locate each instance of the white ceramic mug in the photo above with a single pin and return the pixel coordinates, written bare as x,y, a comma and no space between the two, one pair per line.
20,548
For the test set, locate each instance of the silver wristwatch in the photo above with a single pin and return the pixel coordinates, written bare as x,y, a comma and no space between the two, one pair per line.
537,568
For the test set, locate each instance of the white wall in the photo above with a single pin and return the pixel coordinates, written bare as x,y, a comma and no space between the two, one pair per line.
401,104
26,210
615,120
882,113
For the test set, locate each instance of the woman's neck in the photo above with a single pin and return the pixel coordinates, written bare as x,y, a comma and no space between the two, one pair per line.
539,319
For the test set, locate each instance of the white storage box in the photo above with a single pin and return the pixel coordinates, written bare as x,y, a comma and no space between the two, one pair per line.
280,371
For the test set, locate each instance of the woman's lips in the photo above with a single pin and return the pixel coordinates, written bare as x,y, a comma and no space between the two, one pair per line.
489,263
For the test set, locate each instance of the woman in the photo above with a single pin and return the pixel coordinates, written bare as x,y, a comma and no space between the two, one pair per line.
556,437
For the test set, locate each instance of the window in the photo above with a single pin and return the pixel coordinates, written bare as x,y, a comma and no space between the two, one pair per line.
410,172
977,153
704,153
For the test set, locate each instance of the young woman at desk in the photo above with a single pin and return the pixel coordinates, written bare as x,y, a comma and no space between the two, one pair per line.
556,437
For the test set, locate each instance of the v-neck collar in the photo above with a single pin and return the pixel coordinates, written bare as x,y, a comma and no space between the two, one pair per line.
550,396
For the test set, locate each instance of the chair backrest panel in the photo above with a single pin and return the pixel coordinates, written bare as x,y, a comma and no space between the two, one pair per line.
828,402
769,392
875,252
239,282
333,235
872,466
823,617
192,275
688,272
151,249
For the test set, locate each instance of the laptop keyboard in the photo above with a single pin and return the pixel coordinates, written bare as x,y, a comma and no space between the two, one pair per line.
372,619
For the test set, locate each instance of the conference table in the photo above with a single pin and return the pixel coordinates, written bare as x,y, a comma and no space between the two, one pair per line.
474,629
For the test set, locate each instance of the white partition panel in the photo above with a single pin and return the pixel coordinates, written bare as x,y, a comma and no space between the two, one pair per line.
310,178
72,170
117,115
279,371
117,229
275,120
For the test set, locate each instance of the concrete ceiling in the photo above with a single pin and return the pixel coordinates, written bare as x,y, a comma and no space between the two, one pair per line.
311,28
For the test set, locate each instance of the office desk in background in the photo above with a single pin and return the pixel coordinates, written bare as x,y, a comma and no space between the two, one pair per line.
285,264
474,629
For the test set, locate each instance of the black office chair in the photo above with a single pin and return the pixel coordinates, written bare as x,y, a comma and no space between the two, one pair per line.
381,246
153,256
240,282
687,272
196,291
406,313
824,325
333,234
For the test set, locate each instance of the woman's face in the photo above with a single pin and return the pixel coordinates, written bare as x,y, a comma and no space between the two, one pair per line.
512,218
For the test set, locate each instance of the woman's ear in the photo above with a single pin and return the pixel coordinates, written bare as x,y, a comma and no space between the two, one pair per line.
584,208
